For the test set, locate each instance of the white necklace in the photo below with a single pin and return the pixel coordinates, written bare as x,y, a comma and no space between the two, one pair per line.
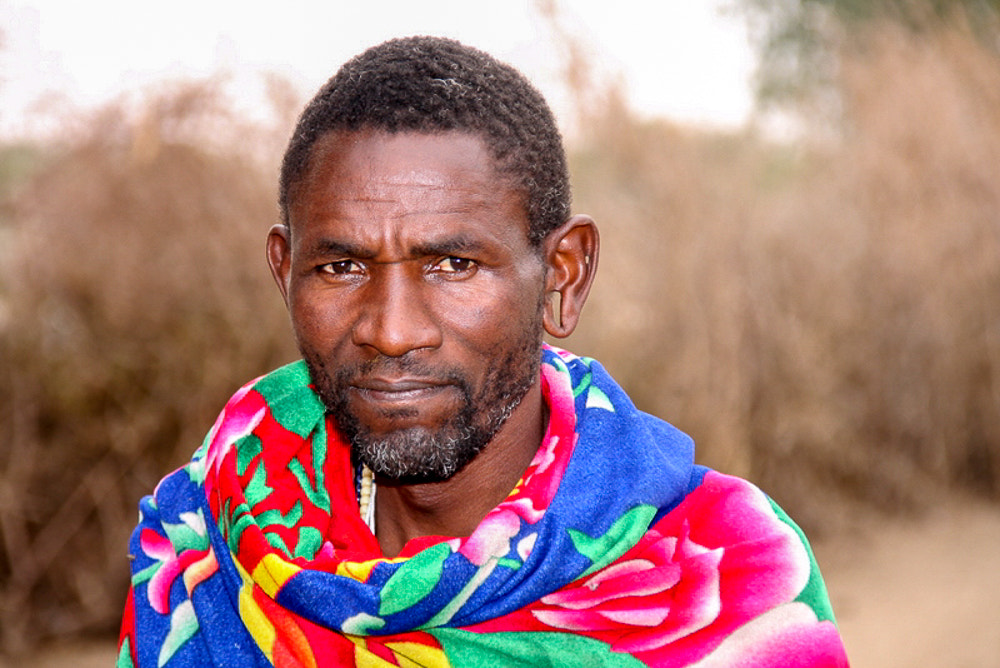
366,503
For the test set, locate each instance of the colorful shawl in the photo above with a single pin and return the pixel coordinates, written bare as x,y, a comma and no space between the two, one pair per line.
613,549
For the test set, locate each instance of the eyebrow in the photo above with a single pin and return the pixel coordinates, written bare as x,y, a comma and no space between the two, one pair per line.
454,245
328,247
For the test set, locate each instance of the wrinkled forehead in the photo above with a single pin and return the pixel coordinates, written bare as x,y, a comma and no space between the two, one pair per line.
405,168
374,178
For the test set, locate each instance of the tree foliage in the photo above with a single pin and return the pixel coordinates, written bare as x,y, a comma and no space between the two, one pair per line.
799,41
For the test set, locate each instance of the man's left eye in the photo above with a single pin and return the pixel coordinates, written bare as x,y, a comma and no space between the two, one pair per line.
455,265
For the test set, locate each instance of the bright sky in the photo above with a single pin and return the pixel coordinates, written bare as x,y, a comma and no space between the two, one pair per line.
683,59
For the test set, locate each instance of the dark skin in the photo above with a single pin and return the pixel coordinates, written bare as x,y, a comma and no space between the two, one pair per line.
412,245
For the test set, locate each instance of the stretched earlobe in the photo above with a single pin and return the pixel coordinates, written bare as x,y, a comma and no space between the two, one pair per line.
553,309
571,253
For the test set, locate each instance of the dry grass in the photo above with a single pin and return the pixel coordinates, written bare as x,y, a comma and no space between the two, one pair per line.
823,317
136,302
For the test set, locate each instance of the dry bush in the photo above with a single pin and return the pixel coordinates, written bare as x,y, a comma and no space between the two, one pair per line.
664,314
892,243
822,317
136,302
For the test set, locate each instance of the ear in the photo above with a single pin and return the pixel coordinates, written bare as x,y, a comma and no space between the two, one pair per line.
279,257
571,252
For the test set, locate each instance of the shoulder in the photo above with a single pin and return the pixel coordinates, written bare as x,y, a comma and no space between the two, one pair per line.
758,537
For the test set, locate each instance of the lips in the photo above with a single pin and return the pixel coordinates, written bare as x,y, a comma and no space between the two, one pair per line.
398,389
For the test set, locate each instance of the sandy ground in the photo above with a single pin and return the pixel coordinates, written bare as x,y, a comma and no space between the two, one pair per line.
920,593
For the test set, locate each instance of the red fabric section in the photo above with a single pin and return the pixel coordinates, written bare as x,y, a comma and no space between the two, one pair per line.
127,631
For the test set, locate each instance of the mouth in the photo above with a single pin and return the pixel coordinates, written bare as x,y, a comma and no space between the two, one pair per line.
401,390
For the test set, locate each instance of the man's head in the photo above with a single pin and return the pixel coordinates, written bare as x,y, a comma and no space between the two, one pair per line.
416,277
431,85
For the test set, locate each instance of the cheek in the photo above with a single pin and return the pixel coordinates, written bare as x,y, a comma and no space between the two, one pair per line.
492,317
317,319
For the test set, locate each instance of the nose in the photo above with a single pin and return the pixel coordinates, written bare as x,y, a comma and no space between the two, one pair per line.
395,317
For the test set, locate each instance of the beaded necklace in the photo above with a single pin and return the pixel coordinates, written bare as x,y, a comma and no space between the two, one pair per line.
366,497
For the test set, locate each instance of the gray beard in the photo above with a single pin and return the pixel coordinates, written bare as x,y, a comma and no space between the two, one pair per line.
420,454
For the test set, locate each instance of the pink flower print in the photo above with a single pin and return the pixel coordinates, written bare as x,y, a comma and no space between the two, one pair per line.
560,437
245,410
789,635
538,485
664,588
171,565
491,539
719,560
193,559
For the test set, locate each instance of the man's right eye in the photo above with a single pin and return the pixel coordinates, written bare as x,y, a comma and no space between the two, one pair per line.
341,267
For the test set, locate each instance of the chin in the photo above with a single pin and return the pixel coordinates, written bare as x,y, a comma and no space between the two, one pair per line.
418,455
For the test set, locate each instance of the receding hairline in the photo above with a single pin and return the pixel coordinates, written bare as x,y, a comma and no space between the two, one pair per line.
507,178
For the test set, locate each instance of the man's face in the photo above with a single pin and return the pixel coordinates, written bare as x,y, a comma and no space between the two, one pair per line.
415,296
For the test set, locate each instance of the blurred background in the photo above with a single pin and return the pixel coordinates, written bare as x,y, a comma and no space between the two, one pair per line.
800,214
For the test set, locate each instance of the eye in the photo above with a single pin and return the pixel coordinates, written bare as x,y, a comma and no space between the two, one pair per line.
341,267
455,265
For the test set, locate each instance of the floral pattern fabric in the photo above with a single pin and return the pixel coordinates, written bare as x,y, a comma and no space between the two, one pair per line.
614,549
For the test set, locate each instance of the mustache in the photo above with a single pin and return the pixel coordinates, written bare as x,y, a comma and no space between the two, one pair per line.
383,365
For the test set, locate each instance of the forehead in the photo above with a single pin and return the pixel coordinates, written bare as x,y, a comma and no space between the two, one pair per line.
371,175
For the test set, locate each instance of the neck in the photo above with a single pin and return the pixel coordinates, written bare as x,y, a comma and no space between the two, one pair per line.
456,506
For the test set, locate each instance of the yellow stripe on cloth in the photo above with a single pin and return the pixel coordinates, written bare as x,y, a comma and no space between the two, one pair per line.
272,573
406,654
260,628
414,655
360,570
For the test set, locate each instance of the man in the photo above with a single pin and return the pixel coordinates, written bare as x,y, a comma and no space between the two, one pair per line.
432,485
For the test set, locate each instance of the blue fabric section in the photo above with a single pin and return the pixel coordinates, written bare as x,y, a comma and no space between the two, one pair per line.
697,476
221,639
624,458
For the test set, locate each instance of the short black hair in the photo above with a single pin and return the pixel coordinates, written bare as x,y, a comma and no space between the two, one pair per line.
433,84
